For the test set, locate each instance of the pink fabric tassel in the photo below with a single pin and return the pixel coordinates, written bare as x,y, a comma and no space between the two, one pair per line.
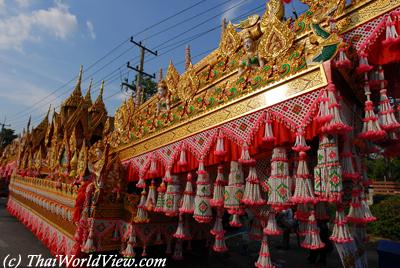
359,211
264,259
160,198
256,230
272,227
167,176
300,144
153,166
371,129
342,60
202,206
182,158
363,66
323,115
178,251
341,233
268,133
218,229
179,233
387,119
304,192
245,158
141,214
151,197
252,192
392,36
187,206
129,252
219,186
347,162
312,239
219,244
220,148
141,183
235,221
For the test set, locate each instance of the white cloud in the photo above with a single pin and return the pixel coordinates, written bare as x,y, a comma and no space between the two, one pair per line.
2,7
23,3
90,28
56,21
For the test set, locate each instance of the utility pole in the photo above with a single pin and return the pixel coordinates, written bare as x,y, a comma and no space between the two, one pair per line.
140,70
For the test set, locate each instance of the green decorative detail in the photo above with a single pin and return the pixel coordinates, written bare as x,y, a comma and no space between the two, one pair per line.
319,31
191,108
301,26
327,53
211,102
287,68
180,108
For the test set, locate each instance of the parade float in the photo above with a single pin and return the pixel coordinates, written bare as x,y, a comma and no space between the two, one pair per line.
281,115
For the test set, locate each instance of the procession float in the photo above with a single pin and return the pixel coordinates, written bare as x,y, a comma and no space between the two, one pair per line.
281,115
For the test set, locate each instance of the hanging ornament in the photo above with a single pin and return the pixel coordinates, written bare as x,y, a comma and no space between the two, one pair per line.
268,133
153,166
363,66
141,214
304,192
278,182
328,172
172,197
202,207
387,118
343,61
347,162
235,221
391,34
160,198
167,176
252,192
323,115
245,158
335,125
180,233
359,211
218,229
264,260
235,189
151,197
272,227
219,244
219,184
89,246
188,197
220,148
178,251
256,230
129,252
300,144
312,239
141,183
341,233
182,158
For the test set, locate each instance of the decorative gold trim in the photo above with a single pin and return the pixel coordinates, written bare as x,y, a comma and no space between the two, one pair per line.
308,80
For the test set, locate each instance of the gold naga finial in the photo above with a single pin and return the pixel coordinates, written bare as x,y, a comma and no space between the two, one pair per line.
101,90
88,97
48,112
224,23
188,57
160,75
29,123
77,90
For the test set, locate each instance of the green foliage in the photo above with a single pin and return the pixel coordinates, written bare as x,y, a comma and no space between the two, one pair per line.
380,168
6,136
388,214
149,87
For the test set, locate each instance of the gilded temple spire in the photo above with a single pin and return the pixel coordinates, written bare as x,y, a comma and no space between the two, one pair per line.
76,95
188,58
88,96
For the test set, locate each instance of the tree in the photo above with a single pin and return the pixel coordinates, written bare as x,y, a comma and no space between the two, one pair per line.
7,135
149,87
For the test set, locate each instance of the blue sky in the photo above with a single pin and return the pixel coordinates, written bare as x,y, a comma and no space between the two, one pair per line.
43,42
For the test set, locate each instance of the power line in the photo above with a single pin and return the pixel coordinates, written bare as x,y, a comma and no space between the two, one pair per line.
181,42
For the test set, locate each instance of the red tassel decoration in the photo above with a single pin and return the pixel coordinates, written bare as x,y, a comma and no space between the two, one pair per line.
336,124
182,158
264,260
89,246
188,197
151,197
153,166
141,214
160,198
359,211
180,233
392,36
371,129
167,176
245,158
256,230
178,251
341,233
363,66
323,115
129,252
300,144
219,244
235,221
141,183
312,239
144,253
342,60
219,185
218,229
304,192
252,192
279,181
202,207
272,227
172,197
219,148
268,133
347,162
234,191
387,119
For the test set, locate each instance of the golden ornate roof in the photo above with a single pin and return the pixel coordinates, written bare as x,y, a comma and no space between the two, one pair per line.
98,105
76,96
88,97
